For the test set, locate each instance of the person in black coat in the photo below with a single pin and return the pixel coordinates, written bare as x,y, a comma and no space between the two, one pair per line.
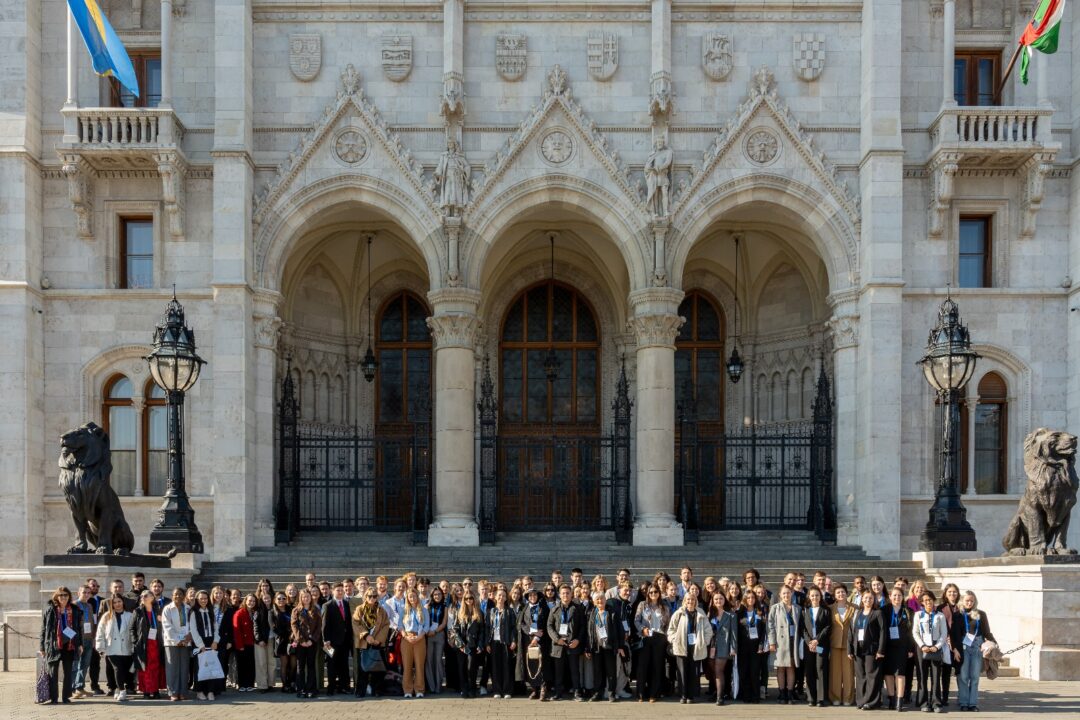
606,644
816,630
865,647
566,628
224,609
623,608
467,638
753,646
337,634
898,646
532,627
61,641
281,619
500,642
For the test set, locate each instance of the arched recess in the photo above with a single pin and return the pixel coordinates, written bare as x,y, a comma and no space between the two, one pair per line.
288,223
780,201
551,201
124,359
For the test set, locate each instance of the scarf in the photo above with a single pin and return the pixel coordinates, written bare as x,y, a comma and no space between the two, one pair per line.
370,615
63,621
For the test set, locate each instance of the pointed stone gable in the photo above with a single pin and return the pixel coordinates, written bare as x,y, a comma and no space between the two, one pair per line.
350,108
737,148
558,112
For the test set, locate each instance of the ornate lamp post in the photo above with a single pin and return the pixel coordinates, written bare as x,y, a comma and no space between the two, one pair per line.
369,365
948,365
175,367
734,365
551,361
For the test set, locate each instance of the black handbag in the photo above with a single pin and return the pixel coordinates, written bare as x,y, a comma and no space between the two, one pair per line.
371,660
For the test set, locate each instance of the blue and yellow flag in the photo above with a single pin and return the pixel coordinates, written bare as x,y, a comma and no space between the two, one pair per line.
106,50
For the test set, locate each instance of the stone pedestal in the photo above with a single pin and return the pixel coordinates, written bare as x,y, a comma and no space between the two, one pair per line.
73,570
1029,599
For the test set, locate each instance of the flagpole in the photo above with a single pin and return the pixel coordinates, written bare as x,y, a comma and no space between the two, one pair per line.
1008,72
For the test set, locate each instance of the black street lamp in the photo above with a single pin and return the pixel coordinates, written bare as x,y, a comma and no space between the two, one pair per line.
948,365
175,367
734,364
369,365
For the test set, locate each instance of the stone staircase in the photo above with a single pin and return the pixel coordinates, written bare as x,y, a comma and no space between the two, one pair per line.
338,555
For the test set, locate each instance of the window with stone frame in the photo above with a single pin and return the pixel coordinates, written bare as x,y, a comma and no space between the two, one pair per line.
974,267
976,76
699,358
136,245
118,419
403,348
147,66
991,433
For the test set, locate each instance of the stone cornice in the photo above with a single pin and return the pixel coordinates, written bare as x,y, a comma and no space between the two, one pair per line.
454,299
655,300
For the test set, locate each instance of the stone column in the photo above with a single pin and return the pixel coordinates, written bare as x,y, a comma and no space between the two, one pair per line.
949,56
166,53
1041,68
454,328
267,327
655,323
138,405
844,327
880,372
968,448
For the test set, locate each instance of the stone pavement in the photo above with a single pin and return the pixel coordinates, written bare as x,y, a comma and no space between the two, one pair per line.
1004,697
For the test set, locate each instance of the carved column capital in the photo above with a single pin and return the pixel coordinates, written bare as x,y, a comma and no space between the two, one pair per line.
454,330
267,331
655,330
80,176
844,330
173,171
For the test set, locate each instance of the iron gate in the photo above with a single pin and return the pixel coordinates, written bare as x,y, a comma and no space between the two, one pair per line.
769,476
339,478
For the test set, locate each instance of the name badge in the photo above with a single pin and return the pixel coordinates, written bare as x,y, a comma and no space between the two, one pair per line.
894,633
791,630
753,632
152,635
601,632
625,626
532,629
69,633
862,635
820,650
564,629
969,639
691,638
928,640
86,628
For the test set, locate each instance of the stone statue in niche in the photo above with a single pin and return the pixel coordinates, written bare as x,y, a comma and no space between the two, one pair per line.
85,467
658,178
1042,520
452,176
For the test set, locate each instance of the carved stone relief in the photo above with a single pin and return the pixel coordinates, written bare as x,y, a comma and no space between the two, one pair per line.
305,55
511,56
716,55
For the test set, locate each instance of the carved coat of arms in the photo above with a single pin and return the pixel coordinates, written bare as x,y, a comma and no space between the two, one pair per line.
397,56
808,55
305,55
603,55
510,56
716,55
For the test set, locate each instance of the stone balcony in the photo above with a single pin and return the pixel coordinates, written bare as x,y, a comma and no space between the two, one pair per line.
990,140
123,142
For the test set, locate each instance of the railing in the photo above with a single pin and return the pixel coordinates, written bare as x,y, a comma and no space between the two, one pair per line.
992,127
122,127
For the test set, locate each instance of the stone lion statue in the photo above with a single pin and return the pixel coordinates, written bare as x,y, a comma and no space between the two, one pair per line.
85,467
1042,520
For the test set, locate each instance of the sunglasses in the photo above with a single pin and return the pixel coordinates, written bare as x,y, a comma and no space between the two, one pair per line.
63,595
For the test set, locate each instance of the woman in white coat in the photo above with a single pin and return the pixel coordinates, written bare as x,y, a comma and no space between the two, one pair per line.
931,633
114,643
176,631
785,619
689,633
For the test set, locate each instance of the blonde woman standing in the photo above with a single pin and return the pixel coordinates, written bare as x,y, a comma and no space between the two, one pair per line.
968,633
785,619
689,634
841,666
113,641
414,625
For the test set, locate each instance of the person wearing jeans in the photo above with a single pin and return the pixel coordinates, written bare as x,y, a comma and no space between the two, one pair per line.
968,633
81,668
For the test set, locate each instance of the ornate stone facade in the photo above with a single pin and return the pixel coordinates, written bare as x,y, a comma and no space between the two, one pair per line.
834,152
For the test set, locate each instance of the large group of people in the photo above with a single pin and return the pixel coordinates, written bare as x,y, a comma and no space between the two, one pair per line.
867,645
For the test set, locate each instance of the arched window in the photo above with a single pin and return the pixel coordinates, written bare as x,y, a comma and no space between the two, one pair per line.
403,345
545,317
699,356
155,440
119,419
991,422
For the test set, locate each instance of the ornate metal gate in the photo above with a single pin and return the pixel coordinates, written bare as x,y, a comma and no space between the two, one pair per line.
554,482
773,476
338,478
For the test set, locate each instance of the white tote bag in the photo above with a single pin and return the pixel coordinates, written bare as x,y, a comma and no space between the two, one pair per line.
209,667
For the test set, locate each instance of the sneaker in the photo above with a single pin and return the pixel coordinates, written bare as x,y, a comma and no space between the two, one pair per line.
200,696
419,695
408,696
496,696
209,696
483,691
121,696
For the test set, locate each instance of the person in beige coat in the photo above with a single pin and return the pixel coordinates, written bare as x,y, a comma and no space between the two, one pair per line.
785,618
689,633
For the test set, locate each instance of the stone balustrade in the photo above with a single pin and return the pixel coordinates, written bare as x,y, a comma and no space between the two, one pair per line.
991,128
124,128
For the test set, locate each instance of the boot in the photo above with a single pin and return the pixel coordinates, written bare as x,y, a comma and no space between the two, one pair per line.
900,704
783,698
543,694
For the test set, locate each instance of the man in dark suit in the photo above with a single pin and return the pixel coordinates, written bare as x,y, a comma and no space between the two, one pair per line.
566,628
622,609
337,639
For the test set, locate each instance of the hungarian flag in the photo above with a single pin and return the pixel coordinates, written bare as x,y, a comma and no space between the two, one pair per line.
1041,33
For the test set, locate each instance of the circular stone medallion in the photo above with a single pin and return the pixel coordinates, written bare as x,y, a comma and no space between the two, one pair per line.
350,146
762,146
557,147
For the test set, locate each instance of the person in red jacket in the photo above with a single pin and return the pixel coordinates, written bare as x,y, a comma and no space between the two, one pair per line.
244,643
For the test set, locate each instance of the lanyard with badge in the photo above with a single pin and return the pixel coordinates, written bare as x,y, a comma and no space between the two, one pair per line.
860,627
564,626
601,625
894,627
969,636
152,633
87,626
691,626
534,612
790,623
927,627
752,624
